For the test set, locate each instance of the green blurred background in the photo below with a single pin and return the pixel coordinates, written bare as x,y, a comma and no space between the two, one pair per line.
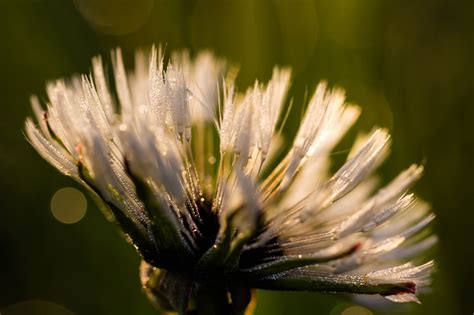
408,63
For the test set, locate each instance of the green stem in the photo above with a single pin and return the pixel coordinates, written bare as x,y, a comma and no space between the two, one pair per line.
211,299
181,293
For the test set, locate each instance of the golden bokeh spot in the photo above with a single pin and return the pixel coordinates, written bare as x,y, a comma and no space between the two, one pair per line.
356,310
115,17
68,205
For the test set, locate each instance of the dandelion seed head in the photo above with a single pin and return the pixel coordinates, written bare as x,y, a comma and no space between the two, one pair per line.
195,172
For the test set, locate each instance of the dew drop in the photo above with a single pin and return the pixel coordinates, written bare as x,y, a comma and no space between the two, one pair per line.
211,160
142,109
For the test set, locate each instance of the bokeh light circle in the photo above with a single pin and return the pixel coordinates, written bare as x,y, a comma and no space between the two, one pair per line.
35,307
115,17
68,205
356,310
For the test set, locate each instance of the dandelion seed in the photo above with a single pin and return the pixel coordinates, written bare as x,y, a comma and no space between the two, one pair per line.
184,163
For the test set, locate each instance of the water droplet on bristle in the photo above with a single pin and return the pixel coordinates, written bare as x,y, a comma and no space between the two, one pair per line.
211,160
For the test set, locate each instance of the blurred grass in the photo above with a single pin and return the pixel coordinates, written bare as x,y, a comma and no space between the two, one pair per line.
407,63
